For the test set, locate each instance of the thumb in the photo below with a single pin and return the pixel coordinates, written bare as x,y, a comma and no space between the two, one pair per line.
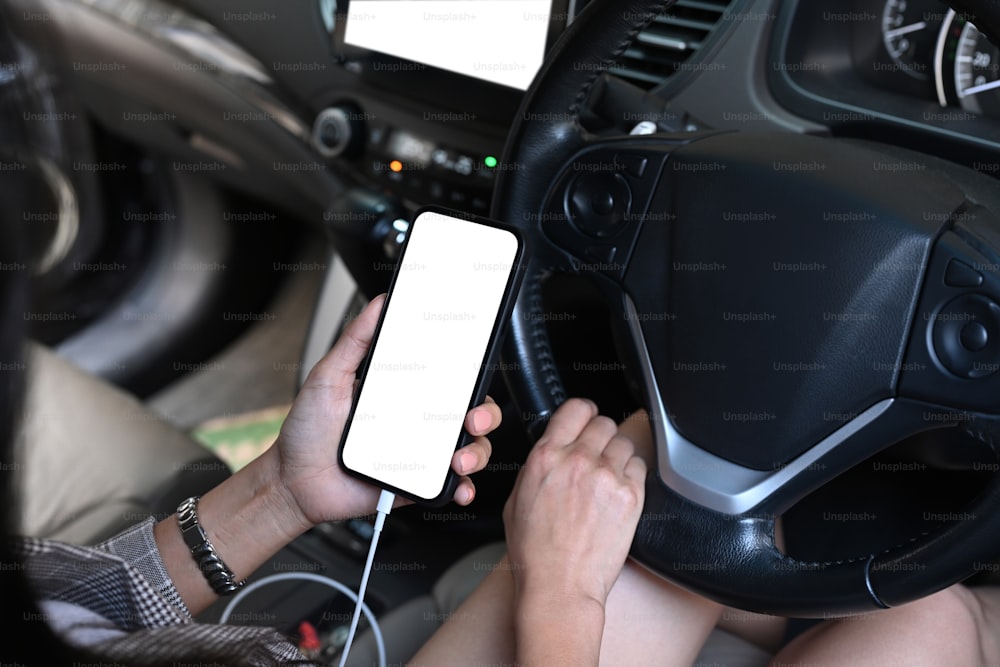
339,365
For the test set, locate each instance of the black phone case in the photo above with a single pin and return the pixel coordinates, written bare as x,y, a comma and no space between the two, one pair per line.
485,375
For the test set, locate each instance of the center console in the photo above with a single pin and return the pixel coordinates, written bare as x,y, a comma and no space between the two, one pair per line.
425,113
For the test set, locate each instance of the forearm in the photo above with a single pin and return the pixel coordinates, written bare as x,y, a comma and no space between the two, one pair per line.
248,518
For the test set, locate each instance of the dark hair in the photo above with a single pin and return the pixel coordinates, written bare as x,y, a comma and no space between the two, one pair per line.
34,641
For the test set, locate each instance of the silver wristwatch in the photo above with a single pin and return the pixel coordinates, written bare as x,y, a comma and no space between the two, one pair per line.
219,576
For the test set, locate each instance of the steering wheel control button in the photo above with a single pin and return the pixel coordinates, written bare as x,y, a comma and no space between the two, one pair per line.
966,336
974,336
960,274
598,203
632,164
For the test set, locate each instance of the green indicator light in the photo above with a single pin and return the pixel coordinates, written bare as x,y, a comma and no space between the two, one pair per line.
490,161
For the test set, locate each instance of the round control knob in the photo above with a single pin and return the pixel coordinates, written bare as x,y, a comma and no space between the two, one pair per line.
336,131
966,336
598,203
974,336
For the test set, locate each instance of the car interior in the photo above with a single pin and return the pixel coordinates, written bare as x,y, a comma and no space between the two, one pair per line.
771,224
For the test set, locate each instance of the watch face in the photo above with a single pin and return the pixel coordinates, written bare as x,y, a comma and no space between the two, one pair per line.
187,519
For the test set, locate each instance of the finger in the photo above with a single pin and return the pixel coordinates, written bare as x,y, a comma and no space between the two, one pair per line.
597,433
473,457
466,492
618,452
342,361
637,428
636,470
568,421
484,418
400,501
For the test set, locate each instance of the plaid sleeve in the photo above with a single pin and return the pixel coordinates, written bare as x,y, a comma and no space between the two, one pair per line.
97,580
136,545
134,598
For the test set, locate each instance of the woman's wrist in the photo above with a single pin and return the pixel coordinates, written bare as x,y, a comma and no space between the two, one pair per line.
565,582
275,496
556,629
248,518
556,599
254,501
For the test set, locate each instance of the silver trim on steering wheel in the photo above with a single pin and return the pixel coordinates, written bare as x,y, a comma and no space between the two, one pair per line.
712,481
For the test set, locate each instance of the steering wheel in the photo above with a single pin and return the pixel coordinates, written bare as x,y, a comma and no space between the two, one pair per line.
733,262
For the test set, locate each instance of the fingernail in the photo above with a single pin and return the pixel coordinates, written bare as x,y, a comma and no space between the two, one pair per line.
467,461
481,420
463,495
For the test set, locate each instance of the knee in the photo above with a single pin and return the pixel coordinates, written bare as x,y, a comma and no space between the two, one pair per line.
954,615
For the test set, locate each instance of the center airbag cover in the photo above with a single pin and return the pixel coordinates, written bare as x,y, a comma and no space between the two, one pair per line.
794,267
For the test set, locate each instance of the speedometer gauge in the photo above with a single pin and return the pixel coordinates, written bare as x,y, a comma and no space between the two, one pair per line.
909,33
968,67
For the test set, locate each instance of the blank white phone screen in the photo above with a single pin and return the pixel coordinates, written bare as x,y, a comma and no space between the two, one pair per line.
429,353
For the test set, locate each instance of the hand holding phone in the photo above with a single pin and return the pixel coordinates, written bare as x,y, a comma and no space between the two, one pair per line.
430,361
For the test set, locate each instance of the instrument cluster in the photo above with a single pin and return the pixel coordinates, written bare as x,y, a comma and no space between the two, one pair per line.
923,48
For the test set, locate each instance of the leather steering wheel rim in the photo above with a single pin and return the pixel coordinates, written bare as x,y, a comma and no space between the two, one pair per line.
731,558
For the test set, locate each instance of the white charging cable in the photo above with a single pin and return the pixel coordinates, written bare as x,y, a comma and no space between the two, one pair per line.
385,500
318,578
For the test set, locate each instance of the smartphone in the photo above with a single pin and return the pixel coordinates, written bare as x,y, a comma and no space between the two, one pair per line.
433,353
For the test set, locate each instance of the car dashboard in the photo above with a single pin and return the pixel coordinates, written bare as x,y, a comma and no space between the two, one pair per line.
914,73
408,114
428,128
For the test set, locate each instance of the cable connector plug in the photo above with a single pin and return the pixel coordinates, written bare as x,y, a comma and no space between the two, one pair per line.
382,509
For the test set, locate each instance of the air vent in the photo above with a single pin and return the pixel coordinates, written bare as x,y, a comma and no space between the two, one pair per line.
670,41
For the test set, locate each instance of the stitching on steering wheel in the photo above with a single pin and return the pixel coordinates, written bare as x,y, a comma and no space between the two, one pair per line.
981,435
855,559
972,428
607,62
541,343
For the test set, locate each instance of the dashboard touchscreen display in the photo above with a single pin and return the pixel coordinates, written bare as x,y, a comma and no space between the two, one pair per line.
501,41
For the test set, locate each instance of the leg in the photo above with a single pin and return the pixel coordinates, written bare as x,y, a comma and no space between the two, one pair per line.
985,608
653,622
649,621
947,628
114,459
761,630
